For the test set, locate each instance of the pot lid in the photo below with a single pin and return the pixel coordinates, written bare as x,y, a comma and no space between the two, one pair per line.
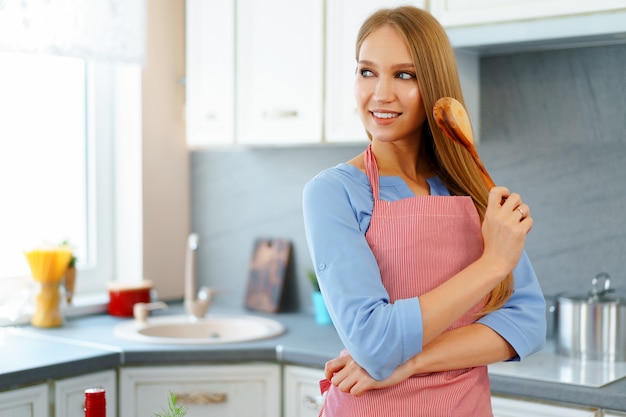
601,292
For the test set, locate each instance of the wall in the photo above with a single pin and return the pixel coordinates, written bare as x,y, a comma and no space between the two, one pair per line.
552,128
239,195
165,158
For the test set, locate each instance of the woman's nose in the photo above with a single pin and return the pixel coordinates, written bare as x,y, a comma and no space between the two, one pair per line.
384,90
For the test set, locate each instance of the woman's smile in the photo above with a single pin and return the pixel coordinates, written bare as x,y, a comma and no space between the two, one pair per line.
386,89
385,115
384,118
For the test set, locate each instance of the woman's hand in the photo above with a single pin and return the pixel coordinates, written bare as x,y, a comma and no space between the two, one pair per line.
506,224
344,373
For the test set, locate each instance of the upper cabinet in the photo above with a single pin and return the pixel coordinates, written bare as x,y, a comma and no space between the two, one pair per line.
279,71
210,78
254,72
471,12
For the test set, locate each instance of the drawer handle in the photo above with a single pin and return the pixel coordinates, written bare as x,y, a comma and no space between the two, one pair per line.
280,114
313,403
201,398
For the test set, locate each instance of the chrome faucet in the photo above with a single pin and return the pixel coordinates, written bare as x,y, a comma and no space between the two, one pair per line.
198,304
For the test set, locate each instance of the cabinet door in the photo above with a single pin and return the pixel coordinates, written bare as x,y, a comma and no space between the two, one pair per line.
279,71
301,392
210,78
509,407
69,393
608,413
25,402
471,12
218,391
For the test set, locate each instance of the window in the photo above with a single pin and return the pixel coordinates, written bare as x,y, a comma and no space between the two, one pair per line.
56,171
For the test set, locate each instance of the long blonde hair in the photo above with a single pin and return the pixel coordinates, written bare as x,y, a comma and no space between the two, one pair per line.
437,77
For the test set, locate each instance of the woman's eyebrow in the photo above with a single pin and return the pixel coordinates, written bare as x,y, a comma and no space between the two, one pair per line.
395,66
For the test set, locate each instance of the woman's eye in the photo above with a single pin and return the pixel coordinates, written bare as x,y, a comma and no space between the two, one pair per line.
366,73
405,76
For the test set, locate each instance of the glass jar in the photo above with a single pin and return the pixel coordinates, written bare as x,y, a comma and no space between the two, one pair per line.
47,311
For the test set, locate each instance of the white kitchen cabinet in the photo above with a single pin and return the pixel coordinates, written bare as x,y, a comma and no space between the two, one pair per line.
513,407
279,78
343,20
247,390
609,413
474,12
25,402
210,78
69,394
301,391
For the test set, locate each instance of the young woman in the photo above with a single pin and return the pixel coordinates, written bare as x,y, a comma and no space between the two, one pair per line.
422,267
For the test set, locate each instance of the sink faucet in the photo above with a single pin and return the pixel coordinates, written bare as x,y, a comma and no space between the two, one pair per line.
142,310
196,305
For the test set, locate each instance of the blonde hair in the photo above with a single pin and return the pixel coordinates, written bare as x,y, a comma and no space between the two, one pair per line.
437,77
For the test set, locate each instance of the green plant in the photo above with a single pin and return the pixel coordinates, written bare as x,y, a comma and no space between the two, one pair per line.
313,279
173,410
72,262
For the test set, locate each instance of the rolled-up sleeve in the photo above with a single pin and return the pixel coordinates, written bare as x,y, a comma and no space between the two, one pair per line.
378,334
522,319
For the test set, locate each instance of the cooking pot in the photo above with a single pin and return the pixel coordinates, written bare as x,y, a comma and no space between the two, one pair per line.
593,325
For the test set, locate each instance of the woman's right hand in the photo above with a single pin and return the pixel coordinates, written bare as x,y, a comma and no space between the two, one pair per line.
349,377
505,226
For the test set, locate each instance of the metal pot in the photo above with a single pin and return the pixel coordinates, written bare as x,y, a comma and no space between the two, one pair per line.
592,326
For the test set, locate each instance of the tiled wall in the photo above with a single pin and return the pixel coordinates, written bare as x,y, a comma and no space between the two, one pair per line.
553,129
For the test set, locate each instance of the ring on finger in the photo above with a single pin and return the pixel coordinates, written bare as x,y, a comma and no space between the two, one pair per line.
521,212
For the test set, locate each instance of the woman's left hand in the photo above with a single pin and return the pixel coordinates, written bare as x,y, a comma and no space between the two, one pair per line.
347,375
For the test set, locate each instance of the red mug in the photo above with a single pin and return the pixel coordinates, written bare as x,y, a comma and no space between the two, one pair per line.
123,296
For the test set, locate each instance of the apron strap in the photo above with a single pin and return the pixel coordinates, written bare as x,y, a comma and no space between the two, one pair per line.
371,169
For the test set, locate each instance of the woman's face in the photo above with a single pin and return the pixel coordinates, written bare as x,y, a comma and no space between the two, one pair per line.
388,97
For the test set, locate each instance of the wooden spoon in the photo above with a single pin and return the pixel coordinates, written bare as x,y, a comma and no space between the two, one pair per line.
451,117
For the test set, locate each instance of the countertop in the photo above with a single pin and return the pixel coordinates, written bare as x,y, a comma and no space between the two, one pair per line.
29,355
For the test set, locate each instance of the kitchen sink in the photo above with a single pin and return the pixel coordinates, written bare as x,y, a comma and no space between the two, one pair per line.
186,330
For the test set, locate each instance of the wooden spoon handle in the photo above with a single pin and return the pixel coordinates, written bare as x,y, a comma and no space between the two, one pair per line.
453,120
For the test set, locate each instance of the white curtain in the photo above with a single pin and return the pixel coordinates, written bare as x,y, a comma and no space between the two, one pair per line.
109,30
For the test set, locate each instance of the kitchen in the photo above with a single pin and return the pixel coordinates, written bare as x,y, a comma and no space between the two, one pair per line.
569,101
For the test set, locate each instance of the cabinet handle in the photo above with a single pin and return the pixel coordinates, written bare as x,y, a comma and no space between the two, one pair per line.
313,403
280,114
201,398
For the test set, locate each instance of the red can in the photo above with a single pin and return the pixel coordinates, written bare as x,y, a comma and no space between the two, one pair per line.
95,403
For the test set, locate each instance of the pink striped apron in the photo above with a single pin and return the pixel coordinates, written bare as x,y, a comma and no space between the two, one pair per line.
419,243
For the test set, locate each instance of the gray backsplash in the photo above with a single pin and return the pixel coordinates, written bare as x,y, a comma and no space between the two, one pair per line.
553,129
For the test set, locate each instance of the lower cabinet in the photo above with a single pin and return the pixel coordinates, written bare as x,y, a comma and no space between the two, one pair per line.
514,407
25,402
69,393
301,391
247,390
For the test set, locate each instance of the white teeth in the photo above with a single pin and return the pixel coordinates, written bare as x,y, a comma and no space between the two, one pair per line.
385,115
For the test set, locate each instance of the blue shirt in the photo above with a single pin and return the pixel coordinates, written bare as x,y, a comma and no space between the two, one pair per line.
380,336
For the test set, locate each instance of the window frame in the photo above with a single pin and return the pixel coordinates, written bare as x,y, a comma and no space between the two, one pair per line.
113,119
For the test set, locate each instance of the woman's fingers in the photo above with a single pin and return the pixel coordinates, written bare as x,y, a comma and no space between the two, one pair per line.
506,224
347,375
335,365
507,205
